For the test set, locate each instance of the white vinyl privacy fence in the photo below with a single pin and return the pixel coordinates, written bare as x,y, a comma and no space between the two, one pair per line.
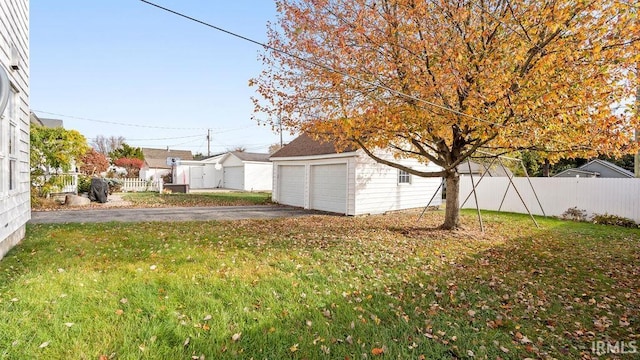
620,197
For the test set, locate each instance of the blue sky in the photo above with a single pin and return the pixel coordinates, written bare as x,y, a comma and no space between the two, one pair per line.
127,62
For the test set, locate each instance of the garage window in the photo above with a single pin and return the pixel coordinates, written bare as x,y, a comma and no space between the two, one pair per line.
404,177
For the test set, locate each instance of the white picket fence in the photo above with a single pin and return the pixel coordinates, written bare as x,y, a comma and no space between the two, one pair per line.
137,185
620,197
68,183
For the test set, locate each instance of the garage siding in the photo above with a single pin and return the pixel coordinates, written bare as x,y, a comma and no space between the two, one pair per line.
377,189
291,181
328,190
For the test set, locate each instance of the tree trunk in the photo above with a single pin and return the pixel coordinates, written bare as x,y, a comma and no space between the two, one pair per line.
452,210
546,168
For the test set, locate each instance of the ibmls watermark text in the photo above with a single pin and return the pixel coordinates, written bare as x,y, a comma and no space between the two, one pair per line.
617,347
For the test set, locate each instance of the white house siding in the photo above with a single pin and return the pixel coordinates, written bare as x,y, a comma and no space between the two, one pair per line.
377,189
257,176
15,209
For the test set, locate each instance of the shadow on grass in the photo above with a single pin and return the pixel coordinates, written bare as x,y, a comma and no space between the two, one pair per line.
318,288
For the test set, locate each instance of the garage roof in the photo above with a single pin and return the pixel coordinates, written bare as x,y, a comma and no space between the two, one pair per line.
247,156
157,158
305,145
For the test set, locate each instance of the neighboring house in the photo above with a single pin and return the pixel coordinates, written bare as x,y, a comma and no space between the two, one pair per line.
311,174
50,123
15,209
597,168
155,164
477,169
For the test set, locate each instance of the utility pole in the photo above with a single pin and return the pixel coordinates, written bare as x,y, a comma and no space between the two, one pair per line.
280,125
208,142
636,160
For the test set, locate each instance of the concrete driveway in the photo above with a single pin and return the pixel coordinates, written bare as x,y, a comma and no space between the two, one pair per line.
167,214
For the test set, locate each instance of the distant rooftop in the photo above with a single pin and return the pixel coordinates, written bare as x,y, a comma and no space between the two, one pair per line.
247,156
46,122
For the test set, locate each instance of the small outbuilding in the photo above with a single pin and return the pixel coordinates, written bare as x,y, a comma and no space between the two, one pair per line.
241,170
312,174
597,169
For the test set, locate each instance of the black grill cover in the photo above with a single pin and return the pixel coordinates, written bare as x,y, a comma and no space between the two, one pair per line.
99,190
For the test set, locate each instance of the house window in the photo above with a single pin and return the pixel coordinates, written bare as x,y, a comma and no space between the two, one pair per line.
12,139
404,177
13,160
12,175
9,145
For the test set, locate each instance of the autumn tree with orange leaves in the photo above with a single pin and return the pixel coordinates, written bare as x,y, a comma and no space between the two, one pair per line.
439,80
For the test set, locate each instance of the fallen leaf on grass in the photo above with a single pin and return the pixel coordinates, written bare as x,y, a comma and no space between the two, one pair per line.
377,351
294,348
236,336
44,345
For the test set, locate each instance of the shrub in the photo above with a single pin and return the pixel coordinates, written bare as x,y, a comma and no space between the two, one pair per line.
132,165
574,214
93,163
115,185
606,219
84,183
167,178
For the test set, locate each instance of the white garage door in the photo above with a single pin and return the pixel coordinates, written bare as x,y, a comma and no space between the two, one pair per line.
329,188
195,177
234,177
291,185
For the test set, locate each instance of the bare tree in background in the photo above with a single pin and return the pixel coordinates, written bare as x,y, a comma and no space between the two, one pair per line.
105,145
274,147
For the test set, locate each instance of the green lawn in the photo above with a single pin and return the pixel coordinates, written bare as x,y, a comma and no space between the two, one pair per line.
320,287
154,199
148,199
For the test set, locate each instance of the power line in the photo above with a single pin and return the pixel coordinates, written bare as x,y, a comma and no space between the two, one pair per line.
315,63
326,67
220,130
117,123
158,139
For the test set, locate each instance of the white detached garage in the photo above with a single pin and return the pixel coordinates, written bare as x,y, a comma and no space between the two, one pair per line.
246,171
312,175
